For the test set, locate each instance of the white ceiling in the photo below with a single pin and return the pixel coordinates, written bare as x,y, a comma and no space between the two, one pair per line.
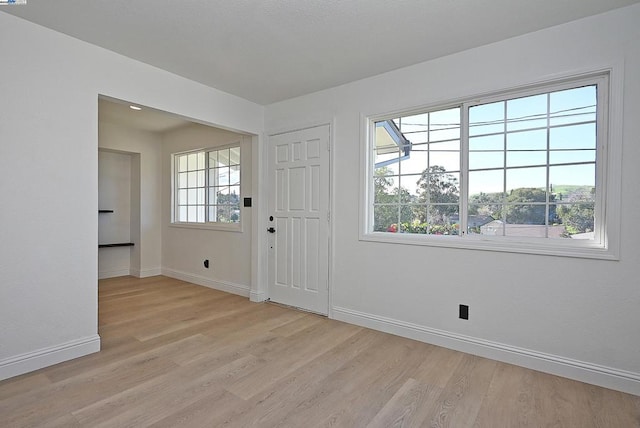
271,50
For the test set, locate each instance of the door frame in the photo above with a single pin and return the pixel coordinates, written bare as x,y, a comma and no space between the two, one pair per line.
261,223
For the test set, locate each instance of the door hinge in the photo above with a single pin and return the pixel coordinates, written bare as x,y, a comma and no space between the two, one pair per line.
328,216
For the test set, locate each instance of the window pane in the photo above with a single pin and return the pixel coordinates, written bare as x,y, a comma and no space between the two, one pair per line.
481,214
200,196
577,219
192,179
385,171
486,118
385,194
450,161
486,182
200,178
409,186
440,221
213,158
192,213
234,213
573,137
192,163
444,125
234,177
573,105
234,195
453,145
488,142
409,219
200,213
223,176
415,123
386,155
417,162
484,160
182,197
443,188
191,197
420,137
527,112
527,140
223,157
222,195
182,213
201,160
518,178
576,175
526,158
572,156
223,214
384,216
182,180
528,214
182,163
234,156
493,228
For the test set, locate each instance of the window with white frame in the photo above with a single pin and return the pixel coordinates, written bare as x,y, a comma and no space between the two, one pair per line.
522,167
207,186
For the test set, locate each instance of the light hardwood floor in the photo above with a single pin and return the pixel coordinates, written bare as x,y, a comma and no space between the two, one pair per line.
180,355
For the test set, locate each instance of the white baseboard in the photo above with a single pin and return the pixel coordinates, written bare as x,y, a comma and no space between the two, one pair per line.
113,273
257,296
145,273
46,357
595,374
229,287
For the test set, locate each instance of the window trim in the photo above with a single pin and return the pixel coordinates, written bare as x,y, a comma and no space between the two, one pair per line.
608,177
228,227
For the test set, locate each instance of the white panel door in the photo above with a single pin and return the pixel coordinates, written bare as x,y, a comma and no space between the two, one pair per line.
299,219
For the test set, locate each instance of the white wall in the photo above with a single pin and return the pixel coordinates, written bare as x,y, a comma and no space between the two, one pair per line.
576,317
147,149
49,166
185,249
114,193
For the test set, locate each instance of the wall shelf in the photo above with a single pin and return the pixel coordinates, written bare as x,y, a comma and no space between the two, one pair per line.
104,211
120,244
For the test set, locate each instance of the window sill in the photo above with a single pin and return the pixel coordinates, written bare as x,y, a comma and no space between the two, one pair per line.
579,249
230,227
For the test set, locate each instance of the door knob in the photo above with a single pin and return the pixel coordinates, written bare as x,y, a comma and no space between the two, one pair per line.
271,230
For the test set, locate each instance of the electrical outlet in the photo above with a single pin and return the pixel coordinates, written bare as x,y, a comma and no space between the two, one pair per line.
206,263
464,312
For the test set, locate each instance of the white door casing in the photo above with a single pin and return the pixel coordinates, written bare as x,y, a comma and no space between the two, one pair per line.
299,204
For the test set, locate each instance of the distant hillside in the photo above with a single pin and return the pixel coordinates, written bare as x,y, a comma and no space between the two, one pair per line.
571,192
564,192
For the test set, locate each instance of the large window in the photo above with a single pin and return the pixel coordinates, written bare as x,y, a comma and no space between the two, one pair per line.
207,186
519,168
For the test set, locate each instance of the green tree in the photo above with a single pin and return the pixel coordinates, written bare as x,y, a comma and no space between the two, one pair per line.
486,204
577,218
435,186
390,202
525,211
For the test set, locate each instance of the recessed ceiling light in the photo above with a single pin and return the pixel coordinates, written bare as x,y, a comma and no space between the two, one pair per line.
135,108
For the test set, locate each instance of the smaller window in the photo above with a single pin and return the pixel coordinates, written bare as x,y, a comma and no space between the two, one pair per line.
207,186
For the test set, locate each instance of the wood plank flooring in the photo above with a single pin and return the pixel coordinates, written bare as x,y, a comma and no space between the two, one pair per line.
180,355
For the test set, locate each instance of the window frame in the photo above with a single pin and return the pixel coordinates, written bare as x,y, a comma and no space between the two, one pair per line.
605,244
211,225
